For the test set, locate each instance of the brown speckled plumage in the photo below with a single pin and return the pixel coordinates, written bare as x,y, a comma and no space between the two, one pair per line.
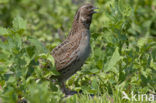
71,54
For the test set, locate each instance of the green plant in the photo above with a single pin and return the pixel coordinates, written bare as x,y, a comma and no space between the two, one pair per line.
123,51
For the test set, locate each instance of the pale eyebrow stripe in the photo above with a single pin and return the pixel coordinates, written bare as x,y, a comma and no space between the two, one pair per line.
84,6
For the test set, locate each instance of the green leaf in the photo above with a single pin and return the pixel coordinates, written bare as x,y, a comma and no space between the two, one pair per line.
31,51
36,90
11,80
95,84
3,31
51,59
19,24
142,41
113,61
39,46
48,57
4,1
94,70
153,65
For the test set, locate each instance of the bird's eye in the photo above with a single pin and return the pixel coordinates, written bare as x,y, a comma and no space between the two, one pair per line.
87,7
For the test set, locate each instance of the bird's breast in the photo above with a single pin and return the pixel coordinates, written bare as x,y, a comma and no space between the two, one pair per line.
84,47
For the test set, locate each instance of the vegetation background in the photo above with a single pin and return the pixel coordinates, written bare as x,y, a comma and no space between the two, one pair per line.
123,58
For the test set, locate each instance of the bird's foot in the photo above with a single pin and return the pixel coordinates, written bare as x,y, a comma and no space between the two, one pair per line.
67,91
70,92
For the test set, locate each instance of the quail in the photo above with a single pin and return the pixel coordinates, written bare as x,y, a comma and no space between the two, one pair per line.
71,54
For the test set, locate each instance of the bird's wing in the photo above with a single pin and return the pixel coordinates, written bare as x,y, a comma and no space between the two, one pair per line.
65,53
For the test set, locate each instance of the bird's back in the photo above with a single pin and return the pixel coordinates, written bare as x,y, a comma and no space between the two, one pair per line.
70,55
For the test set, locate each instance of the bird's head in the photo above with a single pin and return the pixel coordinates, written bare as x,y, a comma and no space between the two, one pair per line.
85,12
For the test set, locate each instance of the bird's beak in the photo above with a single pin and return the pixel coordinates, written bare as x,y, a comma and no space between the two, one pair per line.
94,8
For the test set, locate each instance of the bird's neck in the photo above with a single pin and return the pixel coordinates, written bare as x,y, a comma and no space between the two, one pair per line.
79,26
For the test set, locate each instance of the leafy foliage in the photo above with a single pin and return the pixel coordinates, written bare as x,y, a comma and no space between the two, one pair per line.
123,50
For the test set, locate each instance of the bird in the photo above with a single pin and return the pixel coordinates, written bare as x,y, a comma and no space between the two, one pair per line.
71,54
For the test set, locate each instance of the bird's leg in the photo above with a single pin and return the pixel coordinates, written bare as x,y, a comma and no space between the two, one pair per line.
66,90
